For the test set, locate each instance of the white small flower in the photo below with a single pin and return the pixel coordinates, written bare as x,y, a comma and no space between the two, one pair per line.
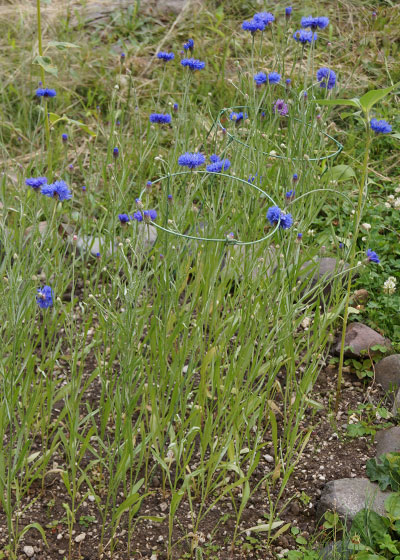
306,322
396,204
311,232
389,286
366,226
387,204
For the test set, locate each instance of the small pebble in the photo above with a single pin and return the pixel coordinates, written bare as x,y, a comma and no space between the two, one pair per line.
79,538
29,551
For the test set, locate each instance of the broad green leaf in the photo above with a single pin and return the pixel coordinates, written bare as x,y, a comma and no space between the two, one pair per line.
45,63
83,127
263,527
349,102
339,173
369,99
62,45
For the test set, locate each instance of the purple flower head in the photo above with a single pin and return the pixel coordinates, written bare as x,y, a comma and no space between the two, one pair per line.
260,78
176,106
295,177
115,152
160,118
64,137
281,108
46,92
304,36
290,194
166,56
191,160
380,127
265,17
288,11
148,184
326,77
214,158
45,297
189,45
123,55
124,218
299,235
288,81
193,63
218,166
372,256
59,190
275,215
36,182
253,25
314,22
169,197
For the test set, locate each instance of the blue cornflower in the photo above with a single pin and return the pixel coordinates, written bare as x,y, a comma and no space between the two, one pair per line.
123,55
290,194
59,190
275,215
288,81
295,177
160,118
372,256
281,107
176,107
148,184
237,117
191,160
265,17
299,235
115,152
36,182
165,56
288,11
149,215
189,45
253,25
193,63
380,127
45,297
314,22
304,36
260,78
323,73
274,78
64,137
124,218
46,92
218,165
138,216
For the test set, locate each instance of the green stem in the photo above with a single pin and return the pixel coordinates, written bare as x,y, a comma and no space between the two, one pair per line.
357,220
43,78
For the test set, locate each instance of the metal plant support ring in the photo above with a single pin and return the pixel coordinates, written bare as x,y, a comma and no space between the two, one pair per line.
227,241
234,138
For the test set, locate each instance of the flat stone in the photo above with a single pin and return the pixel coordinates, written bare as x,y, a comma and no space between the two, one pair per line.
323,270
29,551
388,441
387,372
360,338
348,496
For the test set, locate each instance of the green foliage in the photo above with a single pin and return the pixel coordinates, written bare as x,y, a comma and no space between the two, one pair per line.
385,471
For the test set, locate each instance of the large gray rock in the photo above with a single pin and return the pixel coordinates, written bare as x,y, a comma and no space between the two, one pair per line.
348,496
323,270
359,340
387,372
388,441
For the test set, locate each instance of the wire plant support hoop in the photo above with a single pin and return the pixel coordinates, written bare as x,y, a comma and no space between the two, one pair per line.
234,138
226,240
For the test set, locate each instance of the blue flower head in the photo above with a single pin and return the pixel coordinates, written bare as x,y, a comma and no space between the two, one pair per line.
149,215
260,78
265,17
176,107
326,77
304,36
288,11
36,182
290,194
193,63
59,190
45,297
214,158
380,127
314,22
275,215
160,118
64,137
274,78
115,152
189,45
218,165
372,256
253,25
46,92
295,177
191,160
166,56
148,184
138,216
237,117
124,218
